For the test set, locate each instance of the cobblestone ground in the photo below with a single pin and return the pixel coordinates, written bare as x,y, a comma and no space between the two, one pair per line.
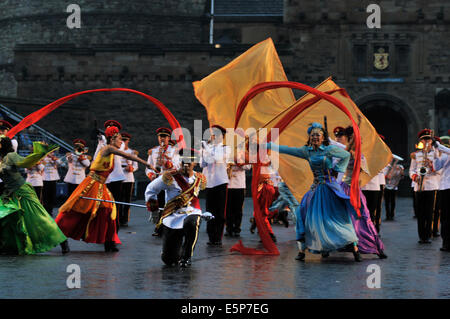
136,271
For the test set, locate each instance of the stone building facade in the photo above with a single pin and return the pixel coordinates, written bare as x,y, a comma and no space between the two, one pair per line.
161,47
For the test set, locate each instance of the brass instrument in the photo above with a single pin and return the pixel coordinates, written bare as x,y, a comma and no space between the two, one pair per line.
229,170
160,158
395,173
423,170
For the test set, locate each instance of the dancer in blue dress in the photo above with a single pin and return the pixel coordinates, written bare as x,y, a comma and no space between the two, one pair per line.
323,221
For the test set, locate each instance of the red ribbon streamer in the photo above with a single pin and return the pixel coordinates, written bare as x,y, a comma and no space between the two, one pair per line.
281,125
39,114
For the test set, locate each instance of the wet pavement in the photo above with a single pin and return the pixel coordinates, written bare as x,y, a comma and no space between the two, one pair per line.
136,271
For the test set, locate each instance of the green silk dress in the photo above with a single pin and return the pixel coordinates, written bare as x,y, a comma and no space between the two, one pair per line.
25,226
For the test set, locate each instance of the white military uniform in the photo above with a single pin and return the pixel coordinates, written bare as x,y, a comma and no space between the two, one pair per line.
77,168
431,180
51,169
129,176
170,153
175,220
237,176
214,164
35,175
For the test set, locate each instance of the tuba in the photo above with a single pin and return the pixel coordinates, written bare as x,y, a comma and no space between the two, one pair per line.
394,174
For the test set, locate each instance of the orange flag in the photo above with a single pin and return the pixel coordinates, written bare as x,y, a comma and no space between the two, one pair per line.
221,91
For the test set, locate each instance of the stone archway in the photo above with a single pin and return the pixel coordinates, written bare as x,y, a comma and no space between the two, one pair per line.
392,118
397,122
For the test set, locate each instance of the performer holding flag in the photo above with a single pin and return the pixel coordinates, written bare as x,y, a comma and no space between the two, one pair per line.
323,218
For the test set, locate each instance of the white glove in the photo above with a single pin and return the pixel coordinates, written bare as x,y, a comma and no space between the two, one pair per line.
207,216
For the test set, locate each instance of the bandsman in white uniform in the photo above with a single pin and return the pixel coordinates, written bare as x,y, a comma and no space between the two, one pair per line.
443,163
77,162
35,176
162,157
423,173
215,157
235,196
129,167
51,177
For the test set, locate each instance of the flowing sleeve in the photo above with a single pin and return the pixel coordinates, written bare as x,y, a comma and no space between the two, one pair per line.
343,155
293,151
39,151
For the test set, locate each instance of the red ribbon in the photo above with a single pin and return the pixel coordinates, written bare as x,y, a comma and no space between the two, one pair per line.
39,114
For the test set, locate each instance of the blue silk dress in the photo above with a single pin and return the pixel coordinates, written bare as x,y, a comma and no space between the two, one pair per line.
323,218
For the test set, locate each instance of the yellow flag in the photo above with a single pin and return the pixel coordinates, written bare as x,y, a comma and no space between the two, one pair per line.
295,171
221,91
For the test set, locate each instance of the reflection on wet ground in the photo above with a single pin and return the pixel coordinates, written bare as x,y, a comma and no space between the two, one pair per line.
411,271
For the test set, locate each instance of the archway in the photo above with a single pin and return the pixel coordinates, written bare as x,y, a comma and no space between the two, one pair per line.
393,119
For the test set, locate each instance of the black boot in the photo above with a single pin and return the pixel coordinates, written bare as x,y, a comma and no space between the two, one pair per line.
273,237
284,219
184,263
325,254
110,246
253,226
382,255
65,247
357,256
300,256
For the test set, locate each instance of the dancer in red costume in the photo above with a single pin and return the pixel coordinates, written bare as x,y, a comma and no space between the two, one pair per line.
89,220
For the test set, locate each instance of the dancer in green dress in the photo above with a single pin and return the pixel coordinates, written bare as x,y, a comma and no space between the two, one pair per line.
25,226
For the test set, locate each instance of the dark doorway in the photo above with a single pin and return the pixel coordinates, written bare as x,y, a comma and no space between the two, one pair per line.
392,125
442,101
